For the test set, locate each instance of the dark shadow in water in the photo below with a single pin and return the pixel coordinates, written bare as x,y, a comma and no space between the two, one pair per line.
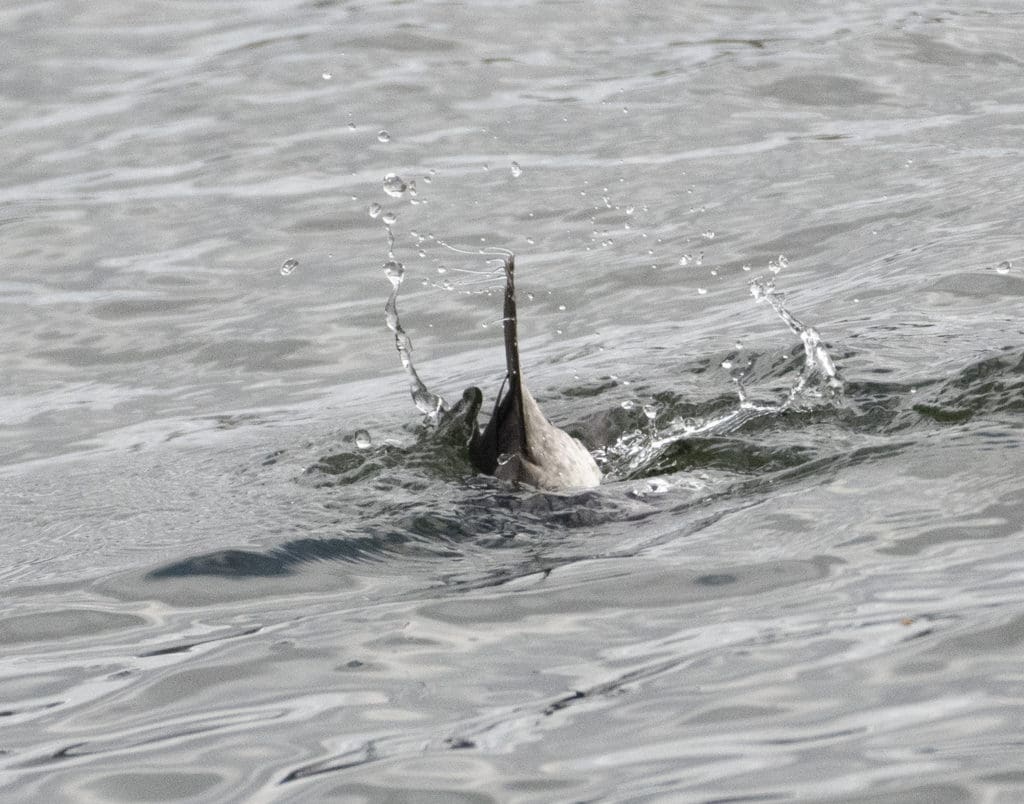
281,560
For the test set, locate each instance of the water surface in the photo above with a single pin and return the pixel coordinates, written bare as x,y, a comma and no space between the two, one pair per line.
214,593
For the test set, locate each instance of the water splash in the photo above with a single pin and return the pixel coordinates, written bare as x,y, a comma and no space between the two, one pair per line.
638,450
429,404
394,185
289,266
817,359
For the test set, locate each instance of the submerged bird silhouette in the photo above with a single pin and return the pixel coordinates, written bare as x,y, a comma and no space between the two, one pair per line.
518,444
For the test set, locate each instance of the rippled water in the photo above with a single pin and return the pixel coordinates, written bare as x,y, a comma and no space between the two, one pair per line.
217,588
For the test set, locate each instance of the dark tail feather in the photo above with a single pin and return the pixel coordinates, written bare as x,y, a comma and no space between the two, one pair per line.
506,431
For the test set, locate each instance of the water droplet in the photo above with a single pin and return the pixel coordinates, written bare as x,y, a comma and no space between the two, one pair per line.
395,272
531,241
441,269
702,291
727,364
427,179
363,440
1004,267
351,126
738,345
746,267
389,218
288,267
517,171
504,458
685,259
629,404
783,261
651,412
374,210
561,307
327,76
394,186
629,210
383,136
708,235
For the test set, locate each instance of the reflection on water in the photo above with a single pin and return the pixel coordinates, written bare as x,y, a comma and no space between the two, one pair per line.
235,569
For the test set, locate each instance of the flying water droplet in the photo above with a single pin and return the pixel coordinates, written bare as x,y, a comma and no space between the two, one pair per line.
288,267
685,259
517,171
327,76
383,136
351,126
1004,267
702,291
629,404
389,218
651,412
708,235
394,186
374,210
395,272
362,439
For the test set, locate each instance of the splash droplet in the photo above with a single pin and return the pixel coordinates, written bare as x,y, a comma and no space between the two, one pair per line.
389,218
288,267
362,439
394,186
685,259
651,412
383,136
708,235
628,404
327,76
516,170
702,291
395,272
374,210
1004,267
351,126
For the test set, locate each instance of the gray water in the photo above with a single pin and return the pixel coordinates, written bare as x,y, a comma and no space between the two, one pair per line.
211,592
